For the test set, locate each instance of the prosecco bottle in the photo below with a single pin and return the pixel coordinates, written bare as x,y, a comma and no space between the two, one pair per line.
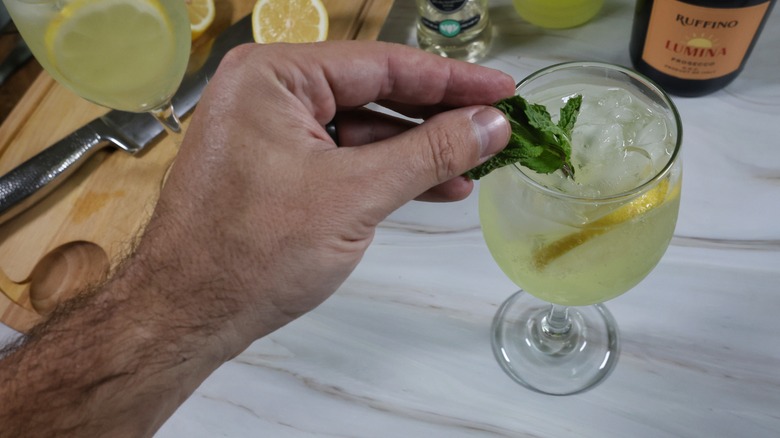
695,47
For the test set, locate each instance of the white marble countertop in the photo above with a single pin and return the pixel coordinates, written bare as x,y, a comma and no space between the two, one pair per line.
403,349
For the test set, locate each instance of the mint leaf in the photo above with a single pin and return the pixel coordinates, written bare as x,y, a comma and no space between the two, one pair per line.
569,114
536,142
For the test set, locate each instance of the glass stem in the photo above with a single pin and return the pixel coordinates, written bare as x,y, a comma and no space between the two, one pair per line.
557,321
167,117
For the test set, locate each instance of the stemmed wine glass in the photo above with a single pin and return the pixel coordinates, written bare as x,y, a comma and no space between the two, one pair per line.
129,55
571,244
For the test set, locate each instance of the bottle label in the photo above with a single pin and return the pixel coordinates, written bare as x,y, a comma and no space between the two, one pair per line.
696,42
451,28
447,5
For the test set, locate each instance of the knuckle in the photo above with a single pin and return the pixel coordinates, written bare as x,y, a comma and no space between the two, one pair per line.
237,55
443,152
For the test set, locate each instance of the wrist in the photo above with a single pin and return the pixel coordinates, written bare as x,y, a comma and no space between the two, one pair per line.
192,294
173,308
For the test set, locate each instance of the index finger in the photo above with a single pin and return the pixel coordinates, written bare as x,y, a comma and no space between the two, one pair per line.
385,71
355,73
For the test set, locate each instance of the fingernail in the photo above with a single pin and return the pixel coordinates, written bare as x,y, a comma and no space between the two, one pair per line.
492,130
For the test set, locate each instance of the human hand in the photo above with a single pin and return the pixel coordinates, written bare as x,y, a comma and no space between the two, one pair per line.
263,216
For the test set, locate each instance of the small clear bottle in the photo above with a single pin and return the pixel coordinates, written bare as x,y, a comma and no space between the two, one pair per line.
457,29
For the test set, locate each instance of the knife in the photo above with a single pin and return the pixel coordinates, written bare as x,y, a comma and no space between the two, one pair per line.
32,180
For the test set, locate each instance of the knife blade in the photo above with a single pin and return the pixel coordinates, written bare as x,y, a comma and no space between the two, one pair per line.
31,181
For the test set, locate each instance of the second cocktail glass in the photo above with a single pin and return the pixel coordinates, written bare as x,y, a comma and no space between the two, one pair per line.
129,55
571,244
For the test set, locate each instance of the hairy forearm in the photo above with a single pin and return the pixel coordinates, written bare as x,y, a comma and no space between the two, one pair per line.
118,360
115,361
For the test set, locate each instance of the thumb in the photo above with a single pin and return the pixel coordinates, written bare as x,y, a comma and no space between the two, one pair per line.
438,150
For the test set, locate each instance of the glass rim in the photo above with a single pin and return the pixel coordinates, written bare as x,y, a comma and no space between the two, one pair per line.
645,81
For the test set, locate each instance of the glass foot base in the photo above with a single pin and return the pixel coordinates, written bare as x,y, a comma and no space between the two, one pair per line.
553,360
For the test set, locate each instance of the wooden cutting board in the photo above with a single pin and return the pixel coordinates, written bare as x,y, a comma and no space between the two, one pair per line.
85,227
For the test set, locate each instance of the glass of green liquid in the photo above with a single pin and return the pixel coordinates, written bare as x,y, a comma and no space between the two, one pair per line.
572,243
129,55
557,14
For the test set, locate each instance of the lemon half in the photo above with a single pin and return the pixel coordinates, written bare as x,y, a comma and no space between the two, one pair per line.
201,14
289,21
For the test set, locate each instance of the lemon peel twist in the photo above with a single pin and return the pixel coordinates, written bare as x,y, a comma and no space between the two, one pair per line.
649,200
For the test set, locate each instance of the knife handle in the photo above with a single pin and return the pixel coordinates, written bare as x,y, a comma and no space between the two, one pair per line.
29,182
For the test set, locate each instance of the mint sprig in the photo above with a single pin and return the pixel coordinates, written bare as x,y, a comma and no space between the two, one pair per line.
536,142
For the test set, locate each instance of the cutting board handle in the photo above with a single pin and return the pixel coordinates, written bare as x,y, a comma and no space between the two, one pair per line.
66,271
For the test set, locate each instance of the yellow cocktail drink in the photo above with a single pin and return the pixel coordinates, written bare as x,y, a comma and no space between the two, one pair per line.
585,233
580,242
123,54
557,14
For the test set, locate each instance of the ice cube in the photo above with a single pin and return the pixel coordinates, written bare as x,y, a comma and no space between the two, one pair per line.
612,138
652,132
638,165
624,115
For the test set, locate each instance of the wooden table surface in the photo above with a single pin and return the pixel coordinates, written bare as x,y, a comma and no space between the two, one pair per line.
78,232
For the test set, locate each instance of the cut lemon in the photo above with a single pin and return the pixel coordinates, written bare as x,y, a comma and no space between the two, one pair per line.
638,207
119,53
289,21
201,14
